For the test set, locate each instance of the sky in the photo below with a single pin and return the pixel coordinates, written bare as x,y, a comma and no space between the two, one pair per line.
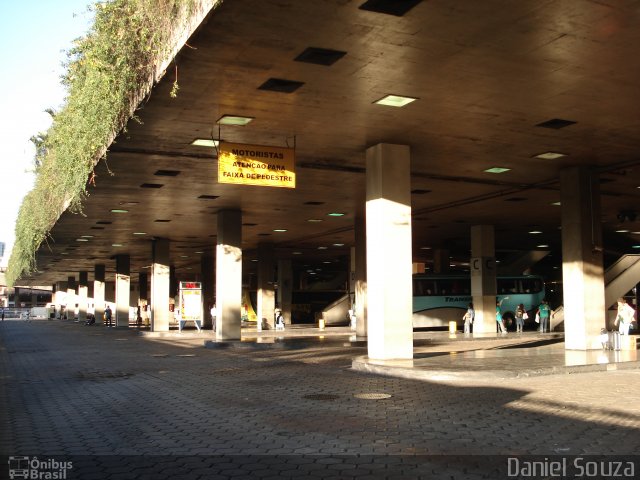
34,38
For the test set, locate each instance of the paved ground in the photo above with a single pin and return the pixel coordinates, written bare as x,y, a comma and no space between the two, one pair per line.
121,405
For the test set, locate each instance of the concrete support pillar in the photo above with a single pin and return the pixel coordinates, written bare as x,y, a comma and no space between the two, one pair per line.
360,284
143,288
98,291
207,271
160,273
389,283
70,307
441,260
229,275
123,290
285,288
266,291
83,289
173,281
483,278
582,265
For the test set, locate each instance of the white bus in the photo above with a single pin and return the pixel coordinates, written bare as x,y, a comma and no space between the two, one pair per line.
440,299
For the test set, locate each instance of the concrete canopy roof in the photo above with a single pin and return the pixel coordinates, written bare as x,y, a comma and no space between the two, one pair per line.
486,76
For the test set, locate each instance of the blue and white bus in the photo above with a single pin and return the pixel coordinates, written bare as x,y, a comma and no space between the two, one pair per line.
441,298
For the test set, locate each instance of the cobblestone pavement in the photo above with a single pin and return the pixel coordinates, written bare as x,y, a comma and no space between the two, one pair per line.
124,406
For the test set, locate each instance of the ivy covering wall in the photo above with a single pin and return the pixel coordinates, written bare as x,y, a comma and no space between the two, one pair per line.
108,72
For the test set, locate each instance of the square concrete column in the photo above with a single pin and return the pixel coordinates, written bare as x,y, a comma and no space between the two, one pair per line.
229,275
98,291
143,288
360,274
285,288
70,307
123,290
207,271
160,273
582,266
483,278
389,281
266,291
83,289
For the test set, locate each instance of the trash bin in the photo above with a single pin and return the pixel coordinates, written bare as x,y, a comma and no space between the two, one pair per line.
452,327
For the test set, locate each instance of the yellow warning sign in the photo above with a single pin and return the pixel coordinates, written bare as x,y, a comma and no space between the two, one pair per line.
256,165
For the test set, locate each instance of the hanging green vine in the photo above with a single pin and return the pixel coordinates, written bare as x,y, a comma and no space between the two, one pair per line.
107,73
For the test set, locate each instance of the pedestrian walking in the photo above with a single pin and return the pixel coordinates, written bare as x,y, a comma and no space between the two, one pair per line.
544,311
499,318
468,318
624,317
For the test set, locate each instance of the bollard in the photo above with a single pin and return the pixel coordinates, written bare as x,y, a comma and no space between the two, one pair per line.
452,327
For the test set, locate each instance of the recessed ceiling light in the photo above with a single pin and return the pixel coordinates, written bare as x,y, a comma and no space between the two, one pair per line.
81,240
542,246
314,220
549,155
556,204
322,248
296,253
86,236
234,120
497,170
119,210
116,244
338,244
184,256
279,229
64,253
636,233
254,259
622,231
635,246
205,142
535,232
335,214
139,233
395,100
425,248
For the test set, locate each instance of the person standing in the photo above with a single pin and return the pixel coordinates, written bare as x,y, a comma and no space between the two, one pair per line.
520,313
107,316
544,311
468,318
624,316
499,318
2,313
